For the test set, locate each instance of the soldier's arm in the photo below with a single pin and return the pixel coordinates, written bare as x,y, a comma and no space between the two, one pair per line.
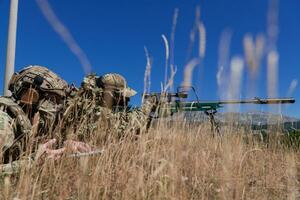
15,167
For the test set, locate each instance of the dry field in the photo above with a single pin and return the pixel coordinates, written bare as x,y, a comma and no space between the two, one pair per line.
178,162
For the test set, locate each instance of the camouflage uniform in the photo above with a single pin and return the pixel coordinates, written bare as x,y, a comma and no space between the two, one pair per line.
39,91
35,91
15,128
88,115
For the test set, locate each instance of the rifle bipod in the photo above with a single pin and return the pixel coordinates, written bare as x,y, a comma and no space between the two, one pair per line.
215,129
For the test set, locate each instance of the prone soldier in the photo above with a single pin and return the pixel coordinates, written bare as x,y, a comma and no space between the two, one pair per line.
101,104
30,116
37,97
100,109
39,91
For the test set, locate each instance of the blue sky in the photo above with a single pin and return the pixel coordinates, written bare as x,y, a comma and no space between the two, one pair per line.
113,35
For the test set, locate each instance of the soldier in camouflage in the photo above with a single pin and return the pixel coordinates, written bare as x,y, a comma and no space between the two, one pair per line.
100,109
116,96
41,92
30,116
37,93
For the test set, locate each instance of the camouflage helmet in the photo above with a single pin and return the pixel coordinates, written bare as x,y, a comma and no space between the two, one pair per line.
39,76
116,82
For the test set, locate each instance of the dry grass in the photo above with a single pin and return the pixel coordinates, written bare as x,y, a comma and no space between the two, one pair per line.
181,162
174,162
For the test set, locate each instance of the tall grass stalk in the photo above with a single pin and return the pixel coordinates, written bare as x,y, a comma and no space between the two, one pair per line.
147,76
223,63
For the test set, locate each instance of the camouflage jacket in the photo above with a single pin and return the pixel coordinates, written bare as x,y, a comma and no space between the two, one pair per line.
15,128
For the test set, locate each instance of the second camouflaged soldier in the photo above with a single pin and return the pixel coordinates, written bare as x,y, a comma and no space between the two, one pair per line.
100,110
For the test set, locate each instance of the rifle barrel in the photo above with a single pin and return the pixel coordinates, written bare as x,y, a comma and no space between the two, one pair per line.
92,153
260,101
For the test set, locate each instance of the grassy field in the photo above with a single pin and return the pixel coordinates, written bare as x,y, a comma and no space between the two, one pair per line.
182,161
179,162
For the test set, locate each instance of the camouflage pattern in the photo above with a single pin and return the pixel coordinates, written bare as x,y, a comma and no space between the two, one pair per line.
89,83
17,120
51,83
16,117
15,167
87,117
83,109
14,127
117,82
80,116
6,131
51,92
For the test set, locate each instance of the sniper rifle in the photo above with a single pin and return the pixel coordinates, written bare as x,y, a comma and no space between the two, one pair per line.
166,104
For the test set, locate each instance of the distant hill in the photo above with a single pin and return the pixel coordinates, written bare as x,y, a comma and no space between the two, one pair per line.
258,120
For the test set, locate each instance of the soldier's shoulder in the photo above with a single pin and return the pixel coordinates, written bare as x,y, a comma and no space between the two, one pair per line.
14,111
6,130
10,104
8,101
15,167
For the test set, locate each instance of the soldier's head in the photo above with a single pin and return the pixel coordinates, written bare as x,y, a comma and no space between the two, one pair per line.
116,92
35,83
